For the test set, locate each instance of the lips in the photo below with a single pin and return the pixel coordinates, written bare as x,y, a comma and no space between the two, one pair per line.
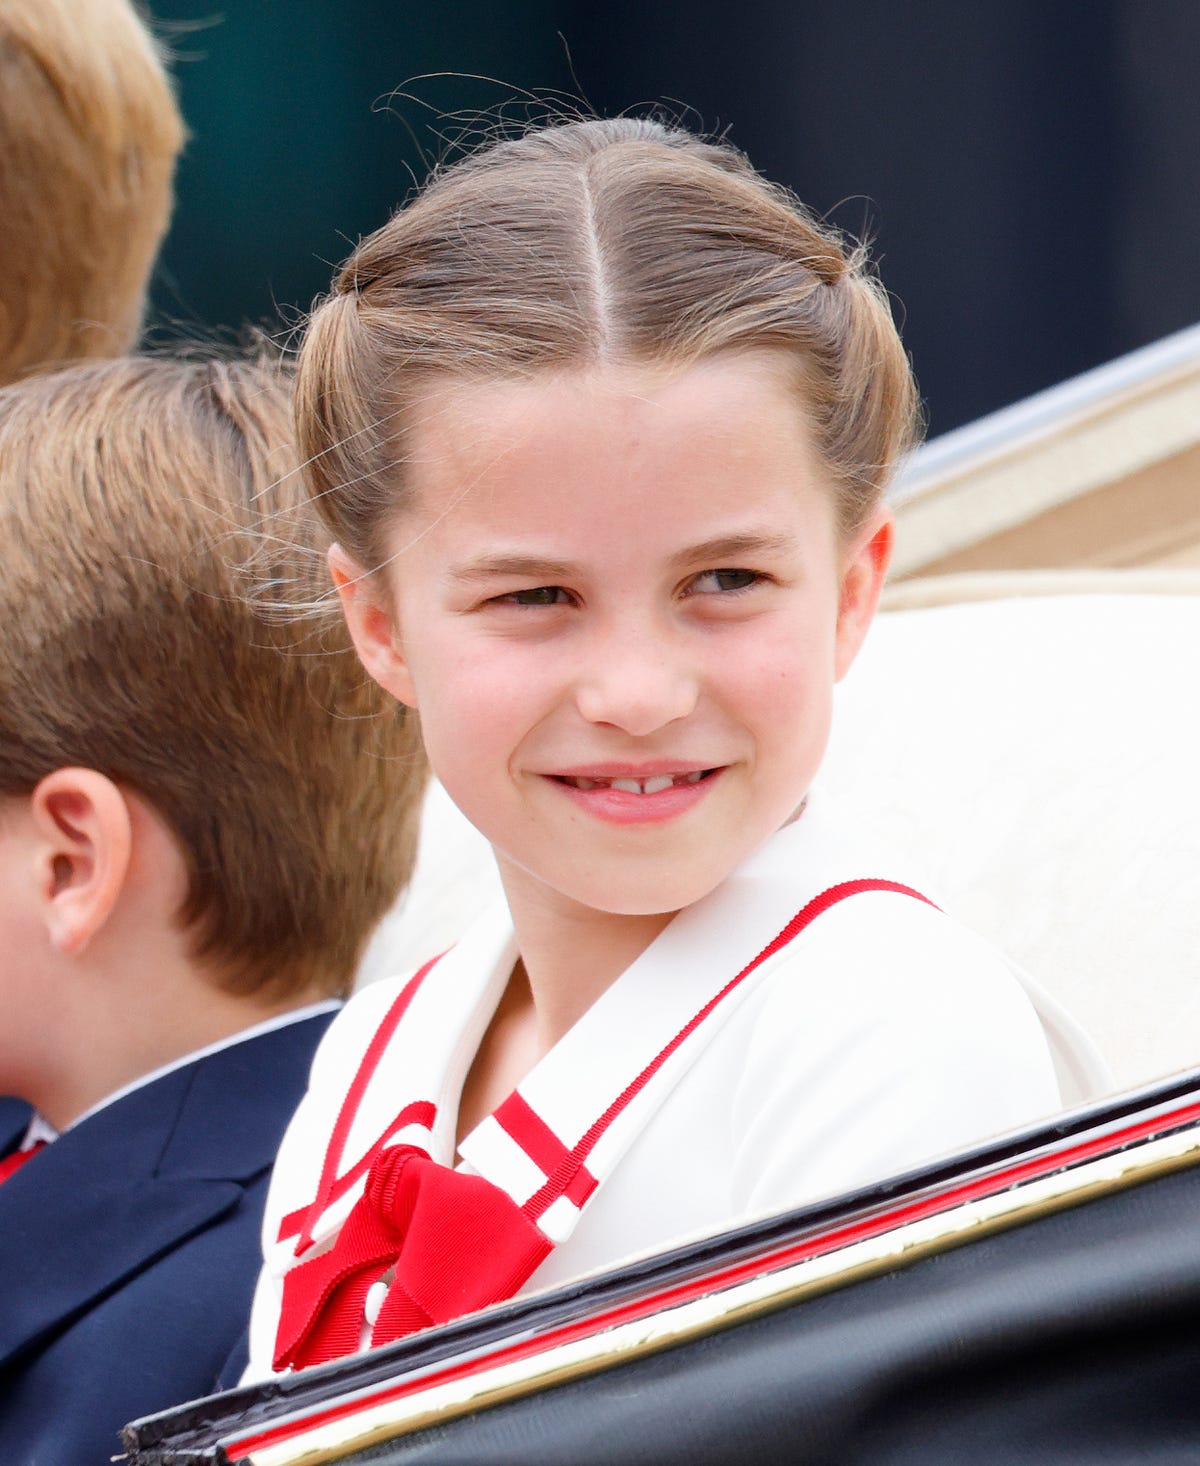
632,795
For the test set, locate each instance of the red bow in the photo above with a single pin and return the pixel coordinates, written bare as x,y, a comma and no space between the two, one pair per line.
456,1242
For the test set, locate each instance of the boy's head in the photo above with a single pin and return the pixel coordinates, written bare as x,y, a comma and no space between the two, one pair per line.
89,134
136,642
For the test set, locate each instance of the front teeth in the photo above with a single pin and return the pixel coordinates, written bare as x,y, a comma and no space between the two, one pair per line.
641,786
656,785
644,786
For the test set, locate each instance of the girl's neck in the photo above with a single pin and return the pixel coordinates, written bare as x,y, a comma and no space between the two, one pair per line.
570,955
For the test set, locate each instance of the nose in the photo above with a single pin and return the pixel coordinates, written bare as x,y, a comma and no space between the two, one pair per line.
636,679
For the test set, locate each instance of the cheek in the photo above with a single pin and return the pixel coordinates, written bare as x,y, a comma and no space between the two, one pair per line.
475,709
786,663
780,688
483,680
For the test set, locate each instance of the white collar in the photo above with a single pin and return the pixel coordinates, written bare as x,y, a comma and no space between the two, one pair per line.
38,1132
692,961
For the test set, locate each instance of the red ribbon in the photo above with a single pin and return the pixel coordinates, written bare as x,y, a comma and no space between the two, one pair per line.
456,1243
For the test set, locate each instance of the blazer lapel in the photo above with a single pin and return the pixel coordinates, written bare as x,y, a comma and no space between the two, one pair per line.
135,1179
14,1121
88,1212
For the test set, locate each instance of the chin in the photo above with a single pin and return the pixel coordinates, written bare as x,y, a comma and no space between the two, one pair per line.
659,898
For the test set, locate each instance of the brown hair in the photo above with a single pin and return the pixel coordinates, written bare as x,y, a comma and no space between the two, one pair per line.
144,505
89,134
615,240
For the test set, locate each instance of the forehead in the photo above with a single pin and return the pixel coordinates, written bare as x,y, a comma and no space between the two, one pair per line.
742,413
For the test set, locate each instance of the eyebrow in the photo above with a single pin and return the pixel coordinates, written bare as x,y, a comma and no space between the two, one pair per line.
522,567
731,547
722,549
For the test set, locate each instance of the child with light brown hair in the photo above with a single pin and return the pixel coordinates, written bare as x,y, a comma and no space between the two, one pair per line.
601,424
89,135
205,807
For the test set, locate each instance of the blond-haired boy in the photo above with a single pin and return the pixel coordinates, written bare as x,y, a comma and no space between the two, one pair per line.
204,809
89,135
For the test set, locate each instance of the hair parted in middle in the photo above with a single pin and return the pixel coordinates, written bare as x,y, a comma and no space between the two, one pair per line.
620,241
158,547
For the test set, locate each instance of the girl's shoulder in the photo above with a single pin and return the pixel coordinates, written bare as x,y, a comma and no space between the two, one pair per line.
892,935
899,983
879,917
888,952
883,962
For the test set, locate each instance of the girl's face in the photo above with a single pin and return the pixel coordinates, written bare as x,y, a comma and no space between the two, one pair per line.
620,601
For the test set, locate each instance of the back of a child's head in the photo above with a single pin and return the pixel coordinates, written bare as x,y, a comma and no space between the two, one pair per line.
157,543
623,242
89,135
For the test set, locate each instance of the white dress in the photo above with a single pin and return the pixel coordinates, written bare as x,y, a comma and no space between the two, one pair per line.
882,1035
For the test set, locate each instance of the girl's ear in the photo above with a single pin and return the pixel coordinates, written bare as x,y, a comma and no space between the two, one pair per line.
84,843
372,626
865,561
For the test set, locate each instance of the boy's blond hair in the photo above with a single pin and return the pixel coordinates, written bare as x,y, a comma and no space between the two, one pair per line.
89,134
154,533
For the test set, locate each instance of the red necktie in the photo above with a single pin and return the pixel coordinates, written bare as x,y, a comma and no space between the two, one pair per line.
11,1164
455,1241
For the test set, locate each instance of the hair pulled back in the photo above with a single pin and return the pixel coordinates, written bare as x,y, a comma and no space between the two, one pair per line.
622,241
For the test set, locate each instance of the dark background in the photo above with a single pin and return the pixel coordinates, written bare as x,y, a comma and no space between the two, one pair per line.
1027,169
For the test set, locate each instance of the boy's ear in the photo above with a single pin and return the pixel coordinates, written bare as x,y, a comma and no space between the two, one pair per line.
864,567
84,842
372,626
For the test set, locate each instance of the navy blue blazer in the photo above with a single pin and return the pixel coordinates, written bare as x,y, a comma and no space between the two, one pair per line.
15,1115
129,1248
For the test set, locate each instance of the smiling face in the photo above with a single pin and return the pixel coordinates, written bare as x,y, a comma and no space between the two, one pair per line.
620,601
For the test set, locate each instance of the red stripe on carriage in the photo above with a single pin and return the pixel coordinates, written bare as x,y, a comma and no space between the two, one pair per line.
813,1244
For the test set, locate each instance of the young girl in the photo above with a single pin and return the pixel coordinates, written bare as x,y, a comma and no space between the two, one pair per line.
601,424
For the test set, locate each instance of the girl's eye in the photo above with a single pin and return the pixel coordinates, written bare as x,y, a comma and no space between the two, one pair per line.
711,582
538,595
